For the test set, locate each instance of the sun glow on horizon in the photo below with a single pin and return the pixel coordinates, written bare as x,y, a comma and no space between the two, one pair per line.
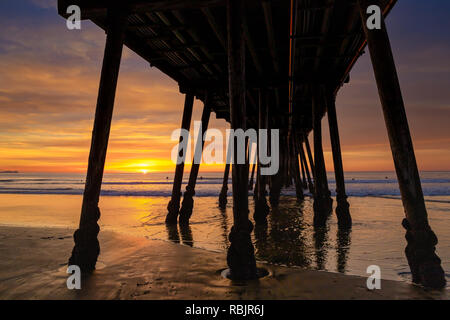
143,166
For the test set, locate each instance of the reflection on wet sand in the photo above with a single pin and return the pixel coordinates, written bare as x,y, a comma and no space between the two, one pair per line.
321,244
288,238
343,247
186,235
283,240
224,225
173,234
278,242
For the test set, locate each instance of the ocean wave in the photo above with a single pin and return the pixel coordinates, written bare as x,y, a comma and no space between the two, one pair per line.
116,193
368,184
390,194
392,181
81,182
204,180
158,182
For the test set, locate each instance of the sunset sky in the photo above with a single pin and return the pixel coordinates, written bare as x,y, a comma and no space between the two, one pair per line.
49,79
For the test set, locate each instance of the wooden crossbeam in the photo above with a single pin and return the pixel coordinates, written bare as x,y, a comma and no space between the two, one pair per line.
274,82
320,36
326,24
195,35
158,27
183,40
97,8
251,48
178,48
215,27
270,33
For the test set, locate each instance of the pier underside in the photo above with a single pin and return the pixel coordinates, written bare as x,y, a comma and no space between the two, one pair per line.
187,41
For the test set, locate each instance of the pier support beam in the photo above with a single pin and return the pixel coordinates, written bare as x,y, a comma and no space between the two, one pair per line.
278,180
305,164
322,199
224,191
286,153
342,209
223,196
174,204
310,157
276,184
188,198
87,247
255,189
296,170
424,263
261,206
241,254
250,183
302,166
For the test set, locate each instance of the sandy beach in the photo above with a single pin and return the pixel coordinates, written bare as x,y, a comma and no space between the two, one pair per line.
34,267
377,237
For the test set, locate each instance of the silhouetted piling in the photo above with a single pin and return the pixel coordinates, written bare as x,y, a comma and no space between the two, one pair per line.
261,207
310,158
174,204
296,171
305,164
188,198
250,183
302,166
276,184
224,190
322,199
87,247
424,263
240,257
342,209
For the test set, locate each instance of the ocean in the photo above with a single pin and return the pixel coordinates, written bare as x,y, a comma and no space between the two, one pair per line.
135,203
358,184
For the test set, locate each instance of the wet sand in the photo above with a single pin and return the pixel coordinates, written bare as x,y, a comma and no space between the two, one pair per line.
376,238
33,266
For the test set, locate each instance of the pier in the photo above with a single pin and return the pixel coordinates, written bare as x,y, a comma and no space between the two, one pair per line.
264,65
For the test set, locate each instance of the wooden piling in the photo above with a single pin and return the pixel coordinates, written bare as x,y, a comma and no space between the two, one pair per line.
87,248
286,153
296,170
342,209
261,207
224,191
276,184
322,199
255,188
310,157
223,196
174,204
250,183
188,198
424,263
305,163
302,167
240,256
